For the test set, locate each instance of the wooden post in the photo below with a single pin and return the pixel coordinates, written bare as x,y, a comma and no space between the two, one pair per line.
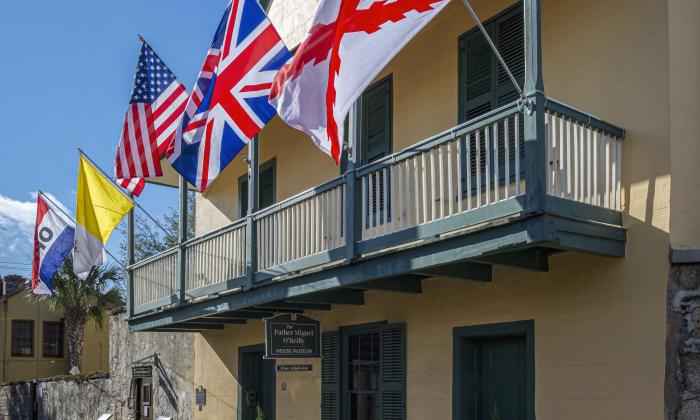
182,238
251,237
353,193
533,118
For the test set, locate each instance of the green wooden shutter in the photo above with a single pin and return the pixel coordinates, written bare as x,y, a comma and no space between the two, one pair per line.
484,84
377,121
266,190
376,140
475,75
243,196
330,376
392,400
471,390
510,40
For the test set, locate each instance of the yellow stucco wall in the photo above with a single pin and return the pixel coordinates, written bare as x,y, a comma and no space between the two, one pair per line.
599,323
95,350
684,67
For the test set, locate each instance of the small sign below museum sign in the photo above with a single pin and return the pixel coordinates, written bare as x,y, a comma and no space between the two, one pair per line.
292,336
294,368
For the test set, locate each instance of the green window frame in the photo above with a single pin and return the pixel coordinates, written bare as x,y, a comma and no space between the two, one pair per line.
267,188
339,365
525,329
22,338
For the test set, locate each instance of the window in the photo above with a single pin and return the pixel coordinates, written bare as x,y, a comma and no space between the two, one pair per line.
493,373
363,373
53,339
266,188
484,85
22,338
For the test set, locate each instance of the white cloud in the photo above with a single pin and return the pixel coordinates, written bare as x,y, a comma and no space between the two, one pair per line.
17,214
17,220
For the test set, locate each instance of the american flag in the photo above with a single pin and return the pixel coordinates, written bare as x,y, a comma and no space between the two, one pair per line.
155,110
229,105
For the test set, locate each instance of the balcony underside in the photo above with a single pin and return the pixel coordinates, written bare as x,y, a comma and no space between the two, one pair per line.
519,240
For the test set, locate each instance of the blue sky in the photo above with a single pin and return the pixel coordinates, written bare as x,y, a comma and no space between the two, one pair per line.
66,70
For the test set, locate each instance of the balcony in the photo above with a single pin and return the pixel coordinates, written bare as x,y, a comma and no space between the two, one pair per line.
510,187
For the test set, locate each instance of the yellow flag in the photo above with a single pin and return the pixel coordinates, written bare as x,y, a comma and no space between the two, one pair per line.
99,208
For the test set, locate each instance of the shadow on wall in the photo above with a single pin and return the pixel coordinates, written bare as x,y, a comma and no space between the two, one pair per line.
165,383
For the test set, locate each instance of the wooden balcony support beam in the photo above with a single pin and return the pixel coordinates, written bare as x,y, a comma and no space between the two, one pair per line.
461,270
333,296
297,305
195,326
242,314
534,259
406,283
206,320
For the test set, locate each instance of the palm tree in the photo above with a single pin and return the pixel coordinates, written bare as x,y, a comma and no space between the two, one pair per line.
82,300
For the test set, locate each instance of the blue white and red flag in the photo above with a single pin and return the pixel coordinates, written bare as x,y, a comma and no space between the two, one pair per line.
229,103
53,241
154,114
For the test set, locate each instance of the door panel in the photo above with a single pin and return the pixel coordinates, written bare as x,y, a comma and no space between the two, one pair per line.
493,379
257,380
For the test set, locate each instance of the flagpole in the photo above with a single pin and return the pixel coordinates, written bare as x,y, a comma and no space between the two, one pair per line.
56,206
121,190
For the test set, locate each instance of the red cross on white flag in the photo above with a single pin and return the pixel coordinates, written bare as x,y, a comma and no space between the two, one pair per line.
349,43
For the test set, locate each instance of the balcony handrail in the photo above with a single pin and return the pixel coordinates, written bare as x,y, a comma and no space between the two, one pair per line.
584,117
152,258
440,138
216,232
288,202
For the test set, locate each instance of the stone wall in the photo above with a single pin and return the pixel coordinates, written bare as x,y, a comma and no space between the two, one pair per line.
683,343
16,401
171,356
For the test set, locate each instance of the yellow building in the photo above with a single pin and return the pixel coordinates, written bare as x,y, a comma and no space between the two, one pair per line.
472,260
34,343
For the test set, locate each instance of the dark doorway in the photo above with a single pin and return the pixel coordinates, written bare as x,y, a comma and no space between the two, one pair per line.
144,399
493,376
256,377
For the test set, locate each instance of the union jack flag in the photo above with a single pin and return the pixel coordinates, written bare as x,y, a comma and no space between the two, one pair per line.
155,110
229,105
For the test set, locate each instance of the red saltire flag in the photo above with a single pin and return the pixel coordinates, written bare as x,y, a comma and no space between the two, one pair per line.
349,43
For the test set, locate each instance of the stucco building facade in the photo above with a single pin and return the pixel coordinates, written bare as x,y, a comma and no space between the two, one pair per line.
572,326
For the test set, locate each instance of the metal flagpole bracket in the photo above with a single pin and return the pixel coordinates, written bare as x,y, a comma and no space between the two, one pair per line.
525,104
